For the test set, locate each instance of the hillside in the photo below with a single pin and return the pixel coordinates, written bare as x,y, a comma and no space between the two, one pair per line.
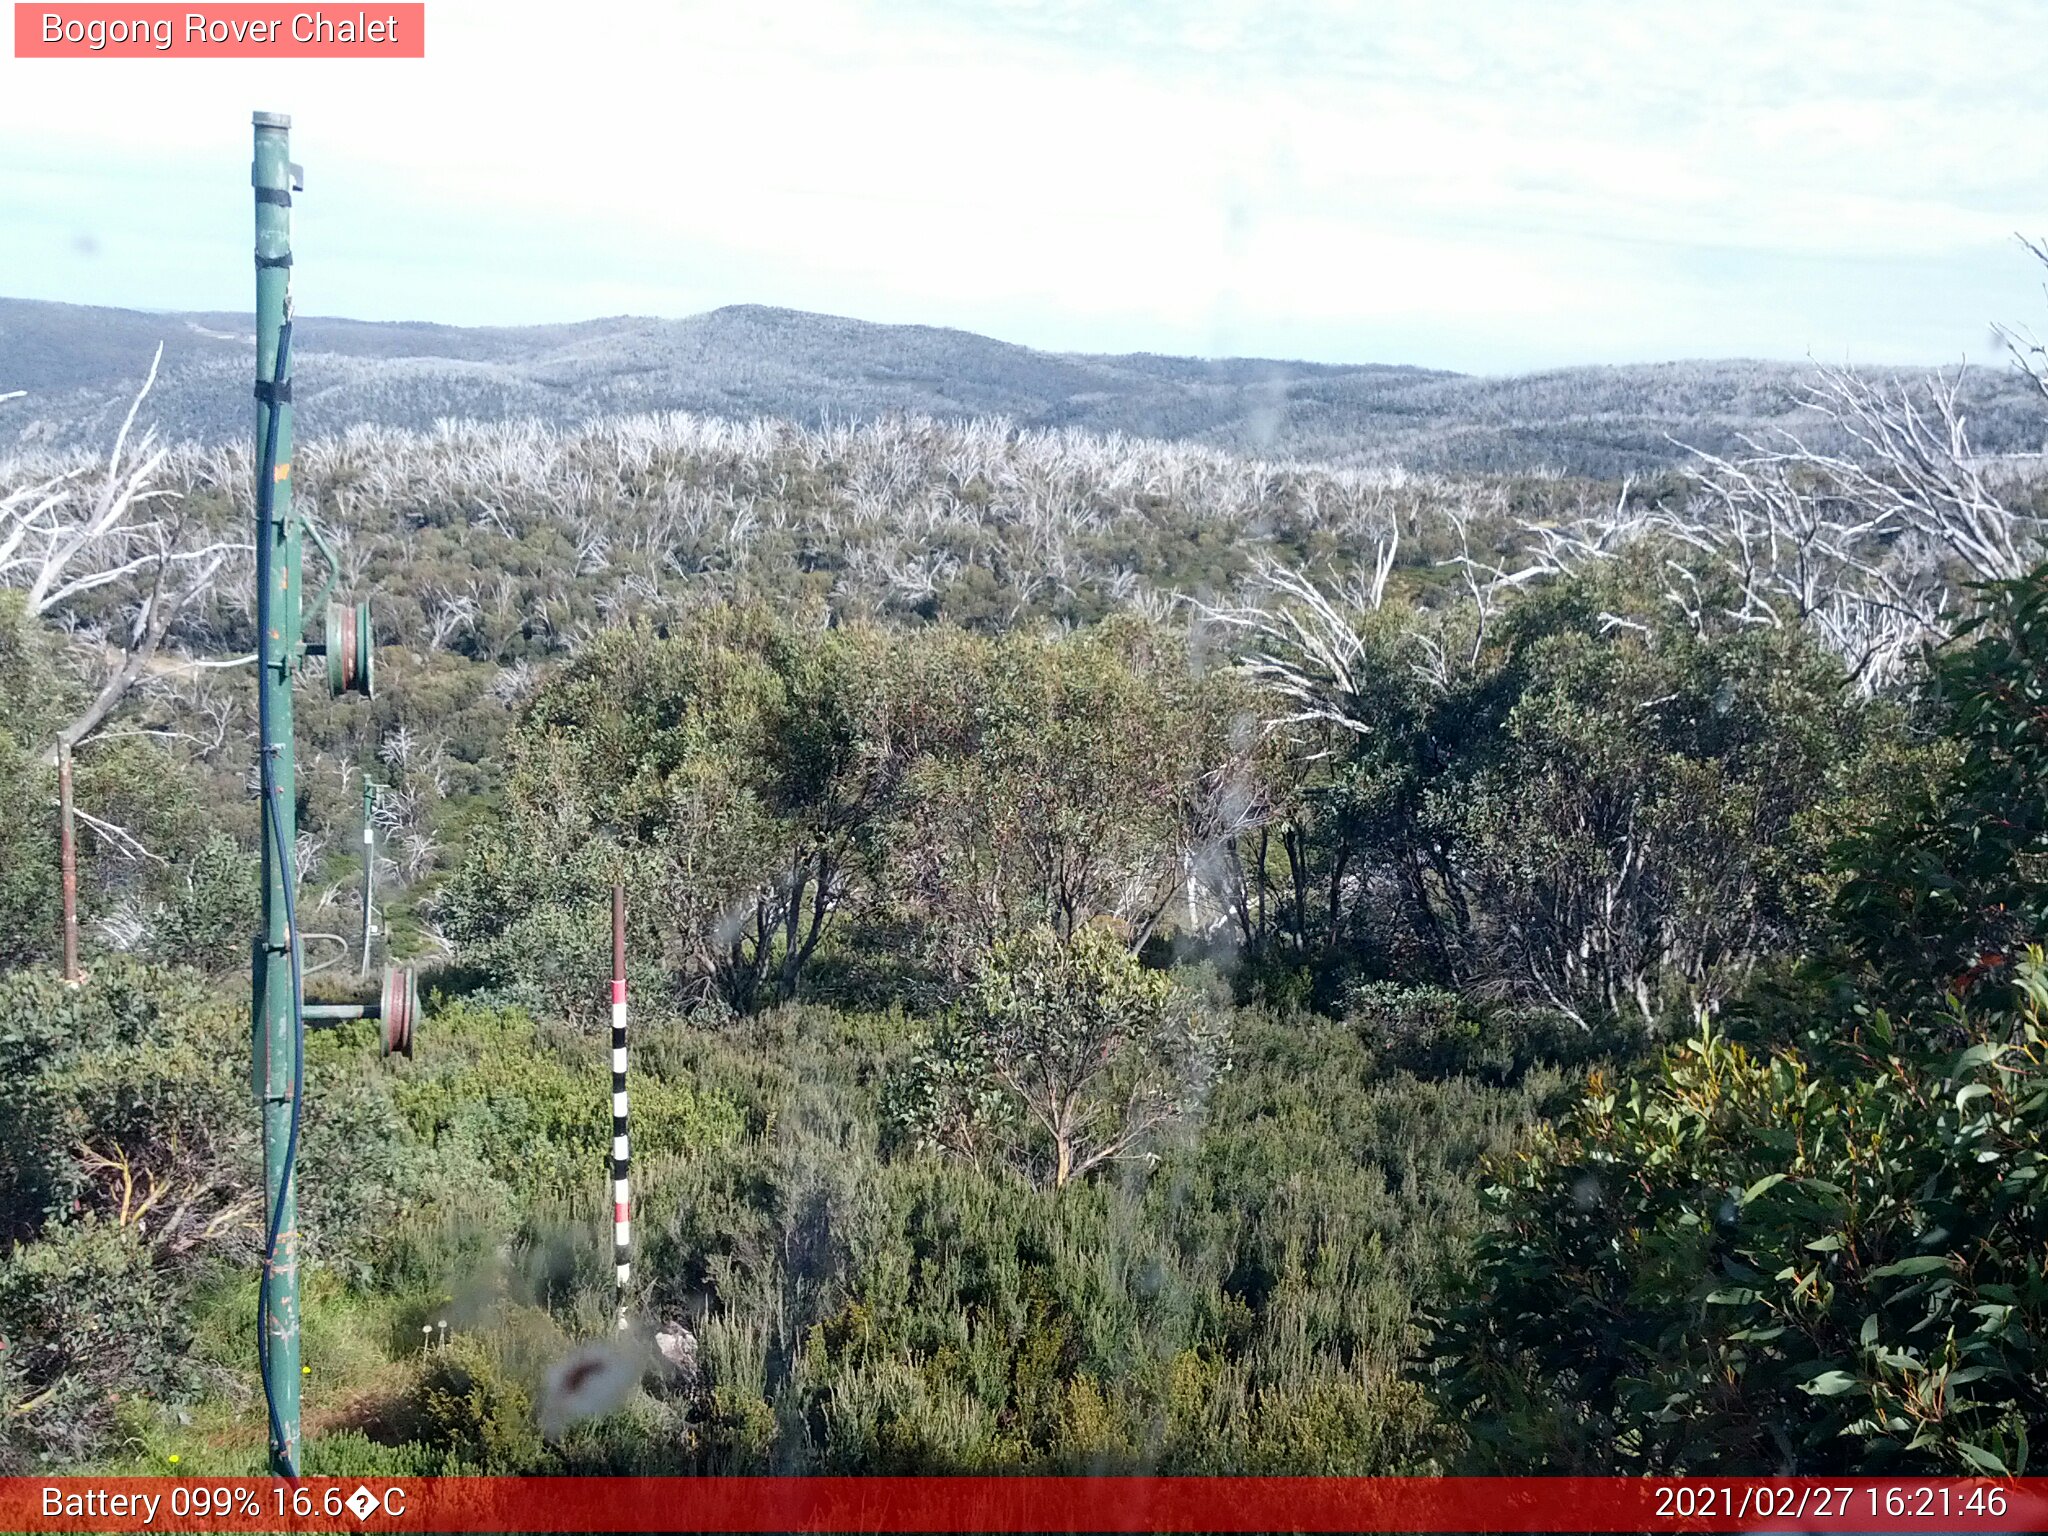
1379,862
80,366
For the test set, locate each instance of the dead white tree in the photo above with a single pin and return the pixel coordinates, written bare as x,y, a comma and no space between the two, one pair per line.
95,550
1869,548
1308,646
105,553
2027,350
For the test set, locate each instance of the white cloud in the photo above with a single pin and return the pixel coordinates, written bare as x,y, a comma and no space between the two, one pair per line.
1496,183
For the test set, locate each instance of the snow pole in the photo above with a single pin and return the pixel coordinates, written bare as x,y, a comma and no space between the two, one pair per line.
622,1145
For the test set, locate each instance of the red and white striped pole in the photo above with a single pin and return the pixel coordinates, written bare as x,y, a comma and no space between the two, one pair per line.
622,1146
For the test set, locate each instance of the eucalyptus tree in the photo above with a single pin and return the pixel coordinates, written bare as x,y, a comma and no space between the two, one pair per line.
1062,780
721,770
1065,1053
1569,793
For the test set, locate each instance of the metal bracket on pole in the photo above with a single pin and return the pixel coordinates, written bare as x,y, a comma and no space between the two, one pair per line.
397,1009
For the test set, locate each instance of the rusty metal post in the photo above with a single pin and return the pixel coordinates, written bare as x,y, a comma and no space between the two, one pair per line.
619,936
67,843
369,870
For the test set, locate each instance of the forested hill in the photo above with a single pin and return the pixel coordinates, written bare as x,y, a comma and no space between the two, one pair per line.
81,365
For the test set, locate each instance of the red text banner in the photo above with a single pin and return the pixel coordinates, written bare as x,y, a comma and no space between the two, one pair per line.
375,31
1024,1504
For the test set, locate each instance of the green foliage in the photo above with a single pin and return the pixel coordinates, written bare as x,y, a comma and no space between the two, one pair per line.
131,794
138,1063
30,910
1952,879
363,1178
531,1107
465,1410
965,783
533,918
1059,781
33,689
1247,1305
755,784
126,1164
1818,1258
153,824
720,771
1630,842
350,1453
1583,801
1822,1251
944,1095
1073,1038
89,1314
31,913
1434,1032
206,922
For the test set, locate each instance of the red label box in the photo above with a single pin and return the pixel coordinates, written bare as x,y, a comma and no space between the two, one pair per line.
1020,1505
103,31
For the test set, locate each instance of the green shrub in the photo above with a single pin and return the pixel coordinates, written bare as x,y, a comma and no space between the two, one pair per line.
90,1314
350,1453
1435,1032
1817,1258
30,914
1248,1301
533,1108
1948,882
1071,1038
127,1092
464,1408
206,920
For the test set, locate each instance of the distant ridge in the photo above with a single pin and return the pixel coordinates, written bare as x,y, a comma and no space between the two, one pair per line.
80,366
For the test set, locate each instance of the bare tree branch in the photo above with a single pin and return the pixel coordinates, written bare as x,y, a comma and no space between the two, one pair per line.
72,544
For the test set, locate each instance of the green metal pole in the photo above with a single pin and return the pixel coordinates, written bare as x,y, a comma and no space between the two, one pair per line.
277,1082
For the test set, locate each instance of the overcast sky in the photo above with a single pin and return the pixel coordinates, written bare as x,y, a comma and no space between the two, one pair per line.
1484,186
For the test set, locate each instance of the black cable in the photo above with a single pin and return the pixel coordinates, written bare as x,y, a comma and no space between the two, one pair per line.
266,477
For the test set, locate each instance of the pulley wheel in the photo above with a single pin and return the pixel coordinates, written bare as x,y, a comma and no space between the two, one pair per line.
399,1009
351,666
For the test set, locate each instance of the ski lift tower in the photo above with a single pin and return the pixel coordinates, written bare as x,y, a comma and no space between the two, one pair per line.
278,1007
